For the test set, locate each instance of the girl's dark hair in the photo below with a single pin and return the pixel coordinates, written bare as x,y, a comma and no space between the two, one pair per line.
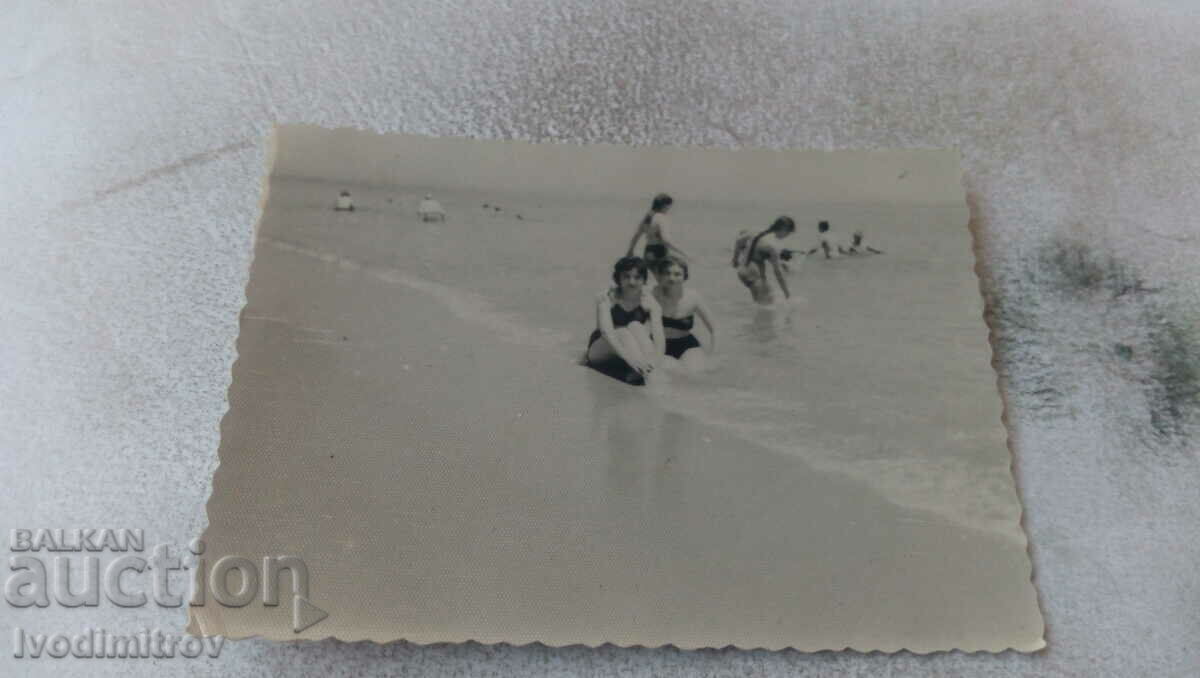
668,262
823,226
784,223
629,264
660,202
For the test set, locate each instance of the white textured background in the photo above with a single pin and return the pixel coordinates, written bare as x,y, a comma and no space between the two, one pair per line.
133,135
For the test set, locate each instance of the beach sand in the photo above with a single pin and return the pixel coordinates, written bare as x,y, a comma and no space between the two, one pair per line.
840,478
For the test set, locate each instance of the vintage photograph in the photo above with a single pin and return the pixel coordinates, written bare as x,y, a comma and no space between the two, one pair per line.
511,392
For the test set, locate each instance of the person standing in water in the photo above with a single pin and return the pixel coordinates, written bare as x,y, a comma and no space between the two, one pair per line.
680,306
655,227
628,342
751,256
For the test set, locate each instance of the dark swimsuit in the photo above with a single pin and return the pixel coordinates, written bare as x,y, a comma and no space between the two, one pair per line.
679,345
654,252
615,367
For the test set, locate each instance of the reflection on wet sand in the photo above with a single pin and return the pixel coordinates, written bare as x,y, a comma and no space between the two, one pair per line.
645,454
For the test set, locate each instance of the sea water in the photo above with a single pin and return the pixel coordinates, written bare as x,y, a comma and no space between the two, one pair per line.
878,366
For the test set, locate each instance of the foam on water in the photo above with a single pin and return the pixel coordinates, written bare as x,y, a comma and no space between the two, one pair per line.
465,305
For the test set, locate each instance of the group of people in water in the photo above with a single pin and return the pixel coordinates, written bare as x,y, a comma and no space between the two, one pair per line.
639,329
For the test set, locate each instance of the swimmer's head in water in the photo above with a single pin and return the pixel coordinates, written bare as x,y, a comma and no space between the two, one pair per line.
665,265
857,238
783,226
823,227
625,265
662,202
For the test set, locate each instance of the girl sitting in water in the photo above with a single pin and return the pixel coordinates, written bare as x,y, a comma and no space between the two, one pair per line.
654,227
751,255
628,342
679,310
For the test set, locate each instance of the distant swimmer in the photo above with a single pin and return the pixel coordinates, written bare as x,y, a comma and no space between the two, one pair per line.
655,226
344,202
628,342
751,255
858,247
431,210
680,307
825,244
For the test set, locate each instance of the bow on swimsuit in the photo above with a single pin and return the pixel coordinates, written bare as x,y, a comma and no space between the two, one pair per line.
677,346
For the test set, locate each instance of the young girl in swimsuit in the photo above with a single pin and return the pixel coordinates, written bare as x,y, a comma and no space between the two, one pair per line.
751,256
680,307
654,227
628,342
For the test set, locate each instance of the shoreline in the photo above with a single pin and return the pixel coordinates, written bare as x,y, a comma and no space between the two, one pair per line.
525,492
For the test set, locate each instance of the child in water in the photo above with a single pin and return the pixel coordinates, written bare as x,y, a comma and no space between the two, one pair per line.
825,242
628,342
680,307
655,227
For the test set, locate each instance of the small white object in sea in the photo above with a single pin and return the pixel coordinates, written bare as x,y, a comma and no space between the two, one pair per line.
431,210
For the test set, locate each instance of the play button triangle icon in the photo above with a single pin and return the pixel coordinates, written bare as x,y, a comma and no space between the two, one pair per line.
305,614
